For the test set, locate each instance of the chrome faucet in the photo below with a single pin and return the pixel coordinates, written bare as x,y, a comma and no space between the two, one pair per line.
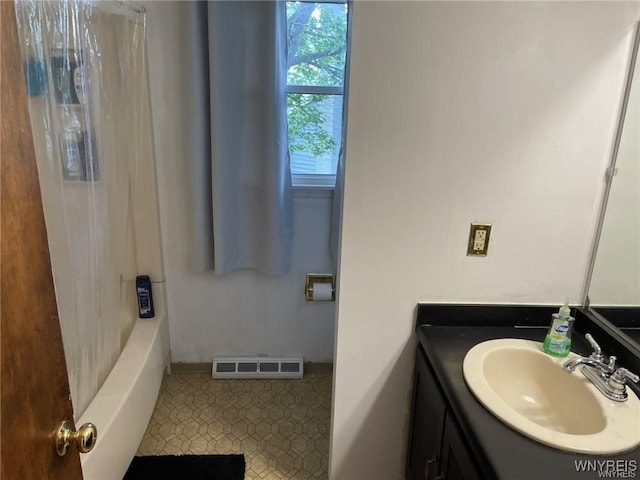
571,365
595,360
611,382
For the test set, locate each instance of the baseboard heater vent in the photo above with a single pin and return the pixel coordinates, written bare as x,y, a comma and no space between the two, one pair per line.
257,367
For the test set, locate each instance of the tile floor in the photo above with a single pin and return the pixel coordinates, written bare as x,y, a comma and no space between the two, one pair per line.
281,426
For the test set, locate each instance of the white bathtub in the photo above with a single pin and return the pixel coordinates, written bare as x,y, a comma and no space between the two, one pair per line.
123,406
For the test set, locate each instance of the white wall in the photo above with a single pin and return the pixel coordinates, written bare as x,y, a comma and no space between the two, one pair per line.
244,313
459,112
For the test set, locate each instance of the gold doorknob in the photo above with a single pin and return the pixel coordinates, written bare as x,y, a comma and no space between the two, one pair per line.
84,438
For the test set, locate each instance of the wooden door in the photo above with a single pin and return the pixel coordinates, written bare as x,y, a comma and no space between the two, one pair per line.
34,388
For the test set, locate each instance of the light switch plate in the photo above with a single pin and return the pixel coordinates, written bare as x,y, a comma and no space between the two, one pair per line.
479,234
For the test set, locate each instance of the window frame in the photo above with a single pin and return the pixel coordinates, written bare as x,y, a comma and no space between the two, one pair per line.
318,181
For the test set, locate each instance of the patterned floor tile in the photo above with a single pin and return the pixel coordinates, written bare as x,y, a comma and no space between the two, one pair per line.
281,426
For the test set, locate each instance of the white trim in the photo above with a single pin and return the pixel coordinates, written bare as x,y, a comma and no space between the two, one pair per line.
313,180
315,89
317,1
313,192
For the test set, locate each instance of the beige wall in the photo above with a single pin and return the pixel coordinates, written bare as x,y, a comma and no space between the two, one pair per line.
458,112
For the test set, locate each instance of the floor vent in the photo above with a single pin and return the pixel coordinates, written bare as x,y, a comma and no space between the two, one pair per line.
257,367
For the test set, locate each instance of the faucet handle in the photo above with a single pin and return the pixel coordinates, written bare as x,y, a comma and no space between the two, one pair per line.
616,384
597,351
621,375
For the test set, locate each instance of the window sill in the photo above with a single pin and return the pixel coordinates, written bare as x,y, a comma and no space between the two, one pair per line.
313,186
316,191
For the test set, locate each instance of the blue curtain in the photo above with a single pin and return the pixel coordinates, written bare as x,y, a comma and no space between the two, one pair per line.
241,147
338,191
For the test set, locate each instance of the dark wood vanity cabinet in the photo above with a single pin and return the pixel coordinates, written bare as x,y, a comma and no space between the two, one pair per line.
437,450
456,463
427,424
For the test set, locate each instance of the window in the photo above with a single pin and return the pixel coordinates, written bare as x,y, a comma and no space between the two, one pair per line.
317,41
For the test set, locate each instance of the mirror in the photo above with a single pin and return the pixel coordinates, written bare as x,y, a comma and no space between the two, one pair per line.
613,287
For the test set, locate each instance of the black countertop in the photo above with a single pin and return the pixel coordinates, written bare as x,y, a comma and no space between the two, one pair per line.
501,452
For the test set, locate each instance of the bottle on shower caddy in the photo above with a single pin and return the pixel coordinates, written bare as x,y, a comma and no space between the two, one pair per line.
145,297
557,343
78,147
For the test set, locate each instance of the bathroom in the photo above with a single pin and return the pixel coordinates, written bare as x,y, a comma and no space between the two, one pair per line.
458,112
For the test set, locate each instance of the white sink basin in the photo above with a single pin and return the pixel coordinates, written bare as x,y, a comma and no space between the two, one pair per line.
528,390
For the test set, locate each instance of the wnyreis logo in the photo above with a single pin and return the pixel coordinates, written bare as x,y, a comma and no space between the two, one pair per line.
609,468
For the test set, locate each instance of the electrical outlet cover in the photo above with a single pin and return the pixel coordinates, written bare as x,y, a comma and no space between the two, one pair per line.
478,244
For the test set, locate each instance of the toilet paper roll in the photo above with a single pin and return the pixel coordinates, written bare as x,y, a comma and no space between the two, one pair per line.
322,291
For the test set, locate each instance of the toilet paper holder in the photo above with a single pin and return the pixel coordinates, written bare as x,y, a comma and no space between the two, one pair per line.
313,278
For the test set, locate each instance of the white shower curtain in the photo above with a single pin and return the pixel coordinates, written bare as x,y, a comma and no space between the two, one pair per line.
85,74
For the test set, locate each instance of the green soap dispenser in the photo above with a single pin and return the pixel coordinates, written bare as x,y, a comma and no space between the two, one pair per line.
558,340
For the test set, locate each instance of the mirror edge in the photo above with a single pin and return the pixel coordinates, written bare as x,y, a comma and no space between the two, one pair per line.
618,334
611,166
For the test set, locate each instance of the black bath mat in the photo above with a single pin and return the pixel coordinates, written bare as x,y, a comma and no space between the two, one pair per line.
186,467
